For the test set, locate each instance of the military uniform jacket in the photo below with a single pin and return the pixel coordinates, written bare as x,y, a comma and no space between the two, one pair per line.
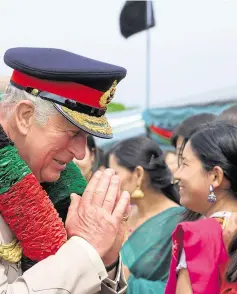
75,269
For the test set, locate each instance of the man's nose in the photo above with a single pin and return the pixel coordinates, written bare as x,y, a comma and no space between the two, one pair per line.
78,146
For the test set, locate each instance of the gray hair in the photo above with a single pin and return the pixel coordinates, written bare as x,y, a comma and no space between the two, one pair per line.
43,109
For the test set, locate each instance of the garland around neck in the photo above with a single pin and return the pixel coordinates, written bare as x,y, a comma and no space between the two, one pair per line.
26,208
70,181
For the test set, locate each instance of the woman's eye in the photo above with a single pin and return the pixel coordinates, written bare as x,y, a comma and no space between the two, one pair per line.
182,164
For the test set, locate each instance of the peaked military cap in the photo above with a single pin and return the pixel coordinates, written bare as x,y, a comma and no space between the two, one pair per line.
80,88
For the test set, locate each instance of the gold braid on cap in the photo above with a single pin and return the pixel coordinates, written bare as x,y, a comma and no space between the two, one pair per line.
92,123
11,252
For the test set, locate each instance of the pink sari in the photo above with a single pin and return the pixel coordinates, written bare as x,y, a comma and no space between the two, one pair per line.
205,253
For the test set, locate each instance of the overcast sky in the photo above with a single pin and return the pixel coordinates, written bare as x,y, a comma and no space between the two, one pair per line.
194,44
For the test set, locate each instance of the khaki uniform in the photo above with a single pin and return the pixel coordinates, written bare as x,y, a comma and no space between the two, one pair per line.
75,269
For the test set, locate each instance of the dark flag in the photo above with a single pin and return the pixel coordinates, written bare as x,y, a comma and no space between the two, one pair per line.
135,17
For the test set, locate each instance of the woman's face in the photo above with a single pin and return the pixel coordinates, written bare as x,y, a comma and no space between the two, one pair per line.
127,178
86,164
171,161
194,182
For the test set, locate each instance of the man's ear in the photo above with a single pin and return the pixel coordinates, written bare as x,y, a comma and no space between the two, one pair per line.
24,116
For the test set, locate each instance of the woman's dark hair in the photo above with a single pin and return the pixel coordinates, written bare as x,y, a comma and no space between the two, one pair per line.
107,155
93,148
215,144
190,123
91,143
101,157
142,151
229,115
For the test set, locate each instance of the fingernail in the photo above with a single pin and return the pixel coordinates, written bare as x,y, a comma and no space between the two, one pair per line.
115,179
108,172
98,173
126,194
73,195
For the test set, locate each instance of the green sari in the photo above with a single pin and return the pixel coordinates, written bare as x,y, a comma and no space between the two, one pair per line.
147,253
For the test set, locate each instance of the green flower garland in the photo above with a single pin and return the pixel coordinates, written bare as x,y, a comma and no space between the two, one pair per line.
32,215
71,181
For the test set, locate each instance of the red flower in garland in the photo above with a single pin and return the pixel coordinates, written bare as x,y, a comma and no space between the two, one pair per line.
26,207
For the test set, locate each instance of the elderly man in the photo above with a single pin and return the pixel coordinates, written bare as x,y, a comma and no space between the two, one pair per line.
54,99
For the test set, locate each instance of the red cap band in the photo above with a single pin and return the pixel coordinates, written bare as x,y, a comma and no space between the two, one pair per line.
77,92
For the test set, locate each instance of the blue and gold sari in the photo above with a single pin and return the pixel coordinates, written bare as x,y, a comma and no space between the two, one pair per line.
147,253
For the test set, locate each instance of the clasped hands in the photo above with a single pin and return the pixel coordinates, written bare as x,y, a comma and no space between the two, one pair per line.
100,215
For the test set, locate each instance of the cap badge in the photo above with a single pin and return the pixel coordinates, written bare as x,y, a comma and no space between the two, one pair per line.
108,95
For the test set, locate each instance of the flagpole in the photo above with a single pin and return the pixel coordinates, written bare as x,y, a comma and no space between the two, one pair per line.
148,52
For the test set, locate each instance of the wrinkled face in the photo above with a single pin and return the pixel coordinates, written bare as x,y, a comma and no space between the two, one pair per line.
86,164
127,178
194,182
47,149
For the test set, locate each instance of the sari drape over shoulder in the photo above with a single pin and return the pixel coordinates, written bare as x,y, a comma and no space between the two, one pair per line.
147,253
205,257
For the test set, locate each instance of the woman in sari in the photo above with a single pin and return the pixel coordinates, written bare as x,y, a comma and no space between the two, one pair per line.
146,254
208,185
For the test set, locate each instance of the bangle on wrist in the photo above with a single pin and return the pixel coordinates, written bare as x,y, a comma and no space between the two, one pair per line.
112,266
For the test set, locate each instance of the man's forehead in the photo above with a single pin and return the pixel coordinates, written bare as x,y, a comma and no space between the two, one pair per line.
60,122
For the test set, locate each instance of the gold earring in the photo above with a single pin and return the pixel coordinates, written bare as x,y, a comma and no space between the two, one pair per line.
138,193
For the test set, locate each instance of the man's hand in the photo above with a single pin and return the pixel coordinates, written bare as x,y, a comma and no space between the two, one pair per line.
94,216
121,237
